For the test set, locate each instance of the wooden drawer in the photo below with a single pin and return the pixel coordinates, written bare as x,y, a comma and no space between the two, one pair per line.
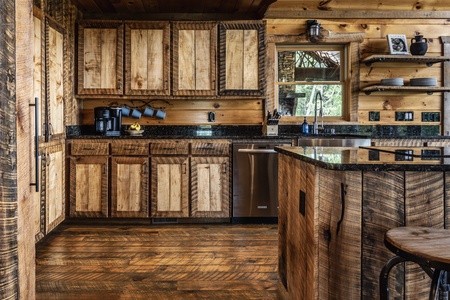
210,149
129,148
170,148
81,148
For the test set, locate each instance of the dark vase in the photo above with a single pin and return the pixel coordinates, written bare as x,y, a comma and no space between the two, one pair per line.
419,45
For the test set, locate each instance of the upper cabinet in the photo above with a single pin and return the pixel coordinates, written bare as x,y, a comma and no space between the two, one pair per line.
242,58
194,58
100,57
171,59
147,58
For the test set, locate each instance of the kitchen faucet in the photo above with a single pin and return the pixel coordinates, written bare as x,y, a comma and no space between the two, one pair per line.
315,124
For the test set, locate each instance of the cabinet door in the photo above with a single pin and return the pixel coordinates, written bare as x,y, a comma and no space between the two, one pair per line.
129,187
100,57
147,46
170,176
89,186
242,58
194,61
210,180
54,187
55,81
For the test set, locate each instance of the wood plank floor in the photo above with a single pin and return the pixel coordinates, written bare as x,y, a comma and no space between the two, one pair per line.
207,261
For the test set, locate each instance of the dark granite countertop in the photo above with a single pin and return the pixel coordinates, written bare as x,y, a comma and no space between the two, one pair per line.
373,158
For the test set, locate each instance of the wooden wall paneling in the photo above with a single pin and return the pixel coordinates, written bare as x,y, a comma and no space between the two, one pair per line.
189,112
424,206
446,82
447,200
194,58
147,58
339,226
283,221
383,208
100,59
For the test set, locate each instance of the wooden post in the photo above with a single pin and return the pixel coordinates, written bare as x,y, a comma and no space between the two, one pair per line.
446,81
8,171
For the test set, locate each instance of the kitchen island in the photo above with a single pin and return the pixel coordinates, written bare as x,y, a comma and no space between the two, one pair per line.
335,204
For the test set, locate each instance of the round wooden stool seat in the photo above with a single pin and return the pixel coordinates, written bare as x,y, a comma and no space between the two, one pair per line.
426,246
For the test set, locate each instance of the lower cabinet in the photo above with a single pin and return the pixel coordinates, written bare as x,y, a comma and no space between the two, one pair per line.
129,186
89,186
210,180
53,191
170,190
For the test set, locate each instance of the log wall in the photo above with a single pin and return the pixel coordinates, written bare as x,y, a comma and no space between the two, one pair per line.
8,152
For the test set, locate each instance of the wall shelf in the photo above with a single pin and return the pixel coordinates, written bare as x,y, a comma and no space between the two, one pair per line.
428,89
428,60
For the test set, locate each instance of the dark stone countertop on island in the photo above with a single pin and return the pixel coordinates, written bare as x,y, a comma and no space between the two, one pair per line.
373,158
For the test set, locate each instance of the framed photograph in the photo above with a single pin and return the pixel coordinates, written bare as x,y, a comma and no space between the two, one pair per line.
397,44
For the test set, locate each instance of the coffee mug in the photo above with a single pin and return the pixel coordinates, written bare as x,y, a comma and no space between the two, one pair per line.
160,114
136,113
148,112
125,110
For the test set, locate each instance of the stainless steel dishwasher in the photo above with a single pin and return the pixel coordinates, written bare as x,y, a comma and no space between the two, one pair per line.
255,182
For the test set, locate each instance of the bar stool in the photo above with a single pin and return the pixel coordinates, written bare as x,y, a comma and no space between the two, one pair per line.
426,246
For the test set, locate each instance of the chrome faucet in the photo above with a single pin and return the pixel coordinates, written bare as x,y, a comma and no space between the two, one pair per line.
315,124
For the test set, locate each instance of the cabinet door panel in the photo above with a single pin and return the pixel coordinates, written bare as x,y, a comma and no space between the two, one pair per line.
100,55
89,186
210,187
129,184
242,58
170,187
147,46
194,68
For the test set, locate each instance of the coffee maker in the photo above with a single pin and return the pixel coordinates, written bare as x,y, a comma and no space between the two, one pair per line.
108,120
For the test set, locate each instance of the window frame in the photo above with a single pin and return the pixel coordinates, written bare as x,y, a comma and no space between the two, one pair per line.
345,82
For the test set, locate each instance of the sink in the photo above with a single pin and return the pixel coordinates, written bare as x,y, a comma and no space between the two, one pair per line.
333,141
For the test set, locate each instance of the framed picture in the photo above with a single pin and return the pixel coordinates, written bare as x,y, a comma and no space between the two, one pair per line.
397,44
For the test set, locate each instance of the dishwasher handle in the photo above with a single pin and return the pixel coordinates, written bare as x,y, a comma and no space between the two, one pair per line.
257,151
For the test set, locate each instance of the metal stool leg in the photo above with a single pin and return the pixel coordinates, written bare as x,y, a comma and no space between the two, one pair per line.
384,276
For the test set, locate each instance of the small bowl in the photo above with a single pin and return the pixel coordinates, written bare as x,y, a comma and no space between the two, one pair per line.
134,132
392,81
423,81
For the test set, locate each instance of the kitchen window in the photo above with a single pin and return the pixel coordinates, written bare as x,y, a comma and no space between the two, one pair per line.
311,77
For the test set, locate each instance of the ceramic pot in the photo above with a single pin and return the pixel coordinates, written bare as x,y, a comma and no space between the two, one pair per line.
419,45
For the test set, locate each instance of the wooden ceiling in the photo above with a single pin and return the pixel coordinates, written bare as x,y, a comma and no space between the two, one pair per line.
258,9
173,9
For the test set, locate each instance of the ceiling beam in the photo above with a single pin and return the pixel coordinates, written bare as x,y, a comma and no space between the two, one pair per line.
355,14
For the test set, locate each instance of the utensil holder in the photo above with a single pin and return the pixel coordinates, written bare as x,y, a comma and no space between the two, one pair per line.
270,130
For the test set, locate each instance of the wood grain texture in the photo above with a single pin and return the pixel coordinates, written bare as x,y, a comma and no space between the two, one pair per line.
88,186
170,187
210,187
147,60
383,208
194,58
93,261
129,186
100,63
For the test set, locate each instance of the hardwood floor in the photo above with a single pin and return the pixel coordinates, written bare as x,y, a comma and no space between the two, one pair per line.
207,261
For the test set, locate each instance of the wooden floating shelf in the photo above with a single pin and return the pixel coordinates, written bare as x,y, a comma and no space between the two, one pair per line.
428,60
428,89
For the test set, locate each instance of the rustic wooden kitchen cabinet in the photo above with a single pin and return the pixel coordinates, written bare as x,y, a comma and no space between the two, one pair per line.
89,179
129,179
147,58
242,58
170,179
210,179
100,57
53,183
194,58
